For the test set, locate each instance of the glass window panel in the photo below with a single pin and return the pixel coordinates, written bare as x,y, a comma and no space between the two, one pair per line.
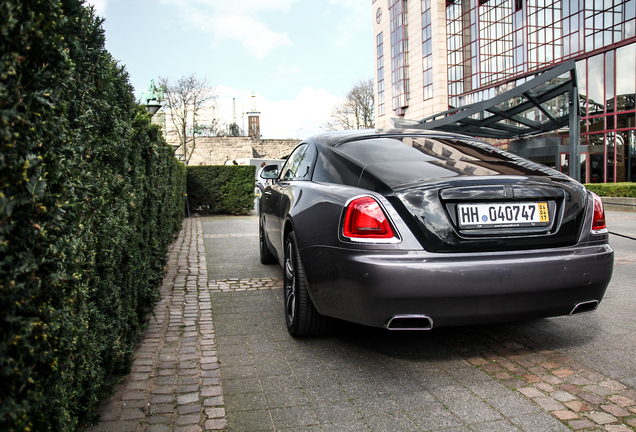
609,171
624,121
618,33
595,83
598,21
626,78
630,10
597,124
630,29
596,167
609,81
565,163
622,155
598,40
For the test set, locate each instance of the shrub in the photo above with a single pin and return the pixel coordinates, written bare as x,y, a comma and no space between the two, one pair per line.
613,189
90,198
221,189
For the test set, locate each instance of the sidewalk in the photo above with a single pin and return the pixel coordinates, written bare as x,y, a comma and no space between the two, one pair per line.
175,382
558,374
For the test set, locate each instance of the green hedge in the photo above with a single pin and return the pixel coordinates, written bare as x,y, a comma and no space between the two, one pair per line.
221,189
613,189
90,199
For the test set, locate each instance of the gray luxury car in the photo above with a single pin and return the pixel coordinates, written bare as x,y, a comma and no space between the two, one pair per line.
412,229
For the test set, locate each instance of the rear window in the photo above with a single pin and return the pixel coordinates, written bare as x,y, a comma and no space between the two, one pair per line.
406,159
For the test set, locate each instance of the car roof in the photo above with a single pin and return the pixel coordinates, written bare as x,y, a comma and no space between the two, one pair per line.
335,138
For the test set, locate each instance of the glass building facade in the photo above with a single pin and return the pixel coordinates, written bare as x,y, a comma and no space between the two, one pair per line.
491,46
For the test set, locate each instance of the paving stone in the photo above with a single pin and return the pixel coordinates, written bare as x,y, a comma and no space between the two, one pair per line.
581,424
548,404
617,428
562,396
613,385
531,392
216,424
602,418
189,409
622,401
545,387
215,413
578,406
591,398
615,410
155,419
599,390
188,419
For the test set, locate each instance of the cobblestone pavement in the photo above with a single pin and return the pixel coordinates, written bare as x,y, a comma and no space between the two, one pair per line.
217,356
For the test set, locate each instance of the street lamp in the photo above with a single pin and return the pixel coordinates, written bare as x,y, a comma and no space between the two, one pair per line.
298,130
152,106
152,98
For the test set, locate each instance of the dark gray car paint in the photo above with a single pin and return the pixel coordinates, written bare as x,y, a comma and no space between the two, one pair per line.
435,269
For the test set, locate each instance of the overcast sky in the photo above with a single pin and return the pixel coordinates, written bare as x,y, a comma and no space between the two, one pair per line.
297,56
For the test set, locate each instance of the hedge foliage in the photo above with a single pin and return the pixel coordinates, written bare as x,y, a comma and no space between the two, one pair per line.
613,189
221,189
90,198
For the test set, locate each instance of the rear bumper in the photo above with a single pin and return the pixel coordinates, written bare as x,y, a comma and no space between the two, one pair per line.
455,289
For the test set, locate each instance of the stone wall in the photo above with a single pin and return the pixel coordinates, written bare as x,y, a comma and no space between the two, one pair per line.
216,150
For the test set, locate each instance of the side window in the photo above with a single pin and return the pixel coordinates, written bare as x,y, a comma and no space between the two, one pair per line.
291,167
304,168
299,164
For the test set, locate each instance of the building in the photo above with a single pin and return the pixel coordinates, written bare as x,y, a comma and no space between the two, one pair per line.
436,55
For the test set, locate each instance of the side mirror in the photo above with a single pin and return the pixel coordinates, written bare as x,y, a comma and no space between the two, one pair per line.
270,172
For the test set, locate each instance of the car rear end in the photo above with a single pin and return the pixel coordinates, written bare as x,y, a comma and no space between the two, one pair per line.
501,239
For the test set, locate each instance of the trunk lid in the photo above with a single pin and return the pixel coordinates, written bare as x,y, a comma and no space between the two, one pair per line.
492,213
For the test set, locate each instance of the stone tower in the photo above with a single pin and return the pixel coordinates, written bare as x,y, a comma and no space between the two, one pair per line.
253,120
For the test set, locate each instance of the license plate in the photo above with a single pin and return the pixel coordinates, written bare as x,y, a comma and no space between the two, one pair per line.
500,215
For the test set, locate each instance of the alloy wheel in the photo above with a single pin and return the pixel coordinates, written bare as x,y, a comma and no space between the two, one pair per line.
290,284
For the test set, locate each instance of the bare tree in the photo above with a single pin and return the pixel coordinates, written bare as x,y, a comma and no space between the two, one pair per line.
186,99
357,111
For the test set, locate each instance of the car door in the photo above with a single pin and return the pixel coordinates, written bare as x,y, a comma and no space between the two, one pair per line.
279,197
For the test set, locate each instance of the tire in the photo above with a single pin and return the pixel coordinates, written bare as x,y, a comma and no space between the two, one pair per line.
267,257
301,316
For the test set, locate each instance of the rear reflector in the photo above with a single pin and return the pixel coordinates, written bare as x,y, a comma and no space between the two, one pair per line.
598,223
365,219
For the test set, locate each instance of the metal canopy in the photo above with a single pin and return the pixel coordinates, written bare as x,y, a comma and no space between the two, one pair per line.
542,104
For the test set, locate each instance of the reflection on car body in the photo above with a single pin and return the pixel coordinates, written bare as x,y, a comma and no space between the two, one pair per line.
415,229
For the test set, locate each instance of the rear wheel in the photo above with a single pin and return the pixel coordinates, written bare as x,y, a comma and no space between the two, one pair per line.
301,315
267,257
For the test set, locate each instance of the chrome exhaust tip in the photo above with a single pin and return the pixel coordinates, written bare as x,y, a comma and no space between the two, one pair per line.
409,322
585,307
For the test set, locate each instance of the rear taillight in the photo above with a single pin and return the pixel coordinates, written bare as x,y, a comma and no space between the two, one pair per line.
598,223
365,219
